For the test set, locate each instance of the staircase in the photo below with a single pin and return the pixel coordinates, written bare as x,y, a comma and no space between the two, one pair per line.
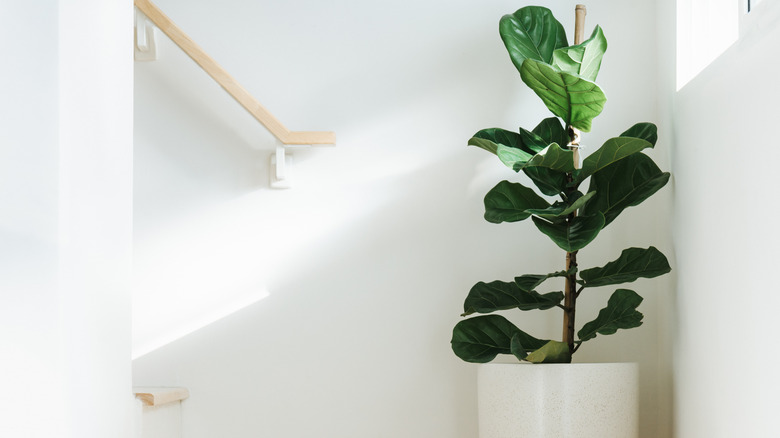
158,412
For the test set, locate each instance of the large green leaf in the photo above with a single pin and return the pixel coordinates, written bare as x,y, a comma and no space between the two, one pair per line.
632,264
613,150
533,141
574,99
547,132
499,295
574,235
644,130
516,347
620,313
529,282
531,32
481,338
548,181
513,158
583,59
551,352
553,157
560,210
624,184
551,131
489,139
508,202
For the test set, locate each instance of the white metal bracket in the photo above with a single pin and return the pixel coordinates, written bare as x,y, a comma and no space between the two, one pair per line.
145,47
280,169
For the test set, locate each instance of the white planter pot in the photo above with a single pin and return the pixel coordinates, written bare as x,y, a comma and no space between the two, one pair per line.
599,400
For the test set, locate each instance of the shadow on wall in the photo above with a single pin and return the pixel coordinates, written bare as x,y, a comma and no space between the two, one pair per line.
209,237
354,336
366,261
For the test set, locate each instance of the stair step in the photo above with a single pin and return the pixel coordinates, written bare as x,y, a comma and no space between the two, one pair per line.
158,412
156,396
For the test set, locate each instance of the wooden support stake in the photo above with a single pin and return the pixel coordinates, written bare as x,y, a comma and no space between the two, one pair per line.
228,83
570,291
579,36
579,23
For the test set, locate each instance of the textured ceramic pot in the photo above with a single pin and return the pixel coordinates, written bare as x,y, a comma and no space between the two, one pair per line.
598,400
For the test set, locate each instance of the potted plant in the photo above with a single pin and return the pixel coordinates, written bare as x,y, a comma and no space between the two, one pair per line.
573,205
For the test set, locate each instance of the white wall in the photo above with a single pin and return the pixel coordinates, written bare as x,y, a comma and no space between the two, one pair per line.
725,162
28,225
65,227
366,262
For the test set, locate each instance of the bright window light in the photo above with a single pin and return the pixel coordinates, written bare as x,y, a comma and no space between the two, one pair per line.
705,29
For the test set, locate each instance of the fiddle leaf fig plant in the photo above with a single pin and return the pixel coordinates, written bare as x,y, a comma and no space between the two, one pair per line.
617,175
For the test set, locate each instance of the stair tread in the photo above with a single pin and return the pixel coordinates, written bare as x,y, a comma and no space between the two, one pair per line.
156,396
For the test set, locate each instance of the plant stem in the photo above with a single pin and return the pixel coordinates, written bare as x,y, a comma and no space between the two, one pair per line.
570,301
570,290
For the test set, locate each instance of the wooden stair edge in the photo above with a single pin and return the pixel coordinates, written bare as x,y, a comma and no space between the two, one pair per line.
156,396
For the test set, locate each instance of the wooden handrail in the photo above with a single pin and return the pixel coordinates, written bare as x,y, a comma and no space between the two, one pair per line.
227,82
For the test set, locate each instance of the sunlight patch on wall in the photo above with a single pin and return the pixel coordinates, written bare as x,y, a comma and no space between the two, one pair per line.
705,29
208,265
159,333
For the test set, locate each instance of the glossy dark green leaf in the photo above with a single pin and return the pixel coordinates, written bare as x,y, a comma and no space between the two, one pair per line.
547,132
624,184
533,141
531,32
553,157
560,210
632,264
507,202
550,130
548,181
551,352
574,236
529,282
481,338
500,295
516,347
620,313
613,150
574,99
513,158
489,139
645,130
583,59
